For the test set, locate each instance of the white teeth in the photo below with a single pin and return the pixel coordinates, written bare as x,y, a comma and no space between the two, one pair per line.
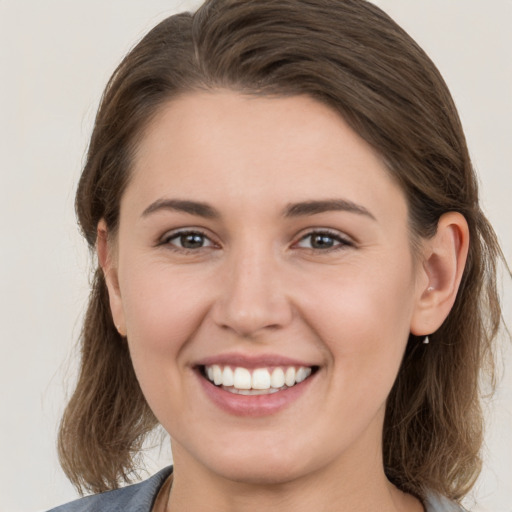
227,377
217,375
260,381
289,376
302,374
253,391
277,379
242,378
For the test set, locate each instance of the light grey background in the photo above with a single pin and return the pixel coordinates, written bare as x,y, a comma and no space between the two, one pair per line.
55,58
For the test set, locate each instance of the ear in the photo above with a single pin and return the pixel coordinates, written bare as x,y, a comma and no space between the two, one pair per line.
107,260
445,256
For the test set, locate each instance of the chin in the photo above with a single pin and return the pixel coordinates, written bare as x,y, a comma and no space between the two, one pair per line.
260,472
257,464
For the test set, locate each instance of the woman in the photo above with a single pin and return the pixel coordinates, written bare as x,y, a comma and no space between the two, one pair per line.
294,275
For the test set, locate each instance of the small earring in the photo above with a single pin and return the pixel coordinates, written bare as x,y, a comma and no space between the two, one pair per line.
426,340
430,289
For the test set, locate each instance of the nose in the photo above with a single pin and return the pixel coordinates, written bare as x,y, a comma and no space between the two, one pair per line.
253,295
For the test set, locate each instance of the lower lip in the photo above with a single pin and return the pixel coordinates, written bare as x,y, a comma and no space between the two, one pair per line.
254,405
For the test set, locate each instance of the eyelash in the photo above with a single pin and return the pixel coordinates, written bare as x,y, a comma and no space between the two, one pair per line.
340,242
179,234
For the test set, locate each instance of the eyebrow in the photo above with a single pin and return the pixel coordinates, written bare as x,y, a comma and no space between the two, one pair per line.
314,207
300,209
179,205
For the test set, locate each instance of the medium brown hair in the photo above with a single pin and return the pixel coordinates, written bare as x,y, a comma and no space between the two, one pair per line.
354,58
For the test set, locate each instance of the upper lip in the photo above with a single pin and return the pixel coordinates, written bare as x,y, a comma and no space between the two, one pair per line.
252,361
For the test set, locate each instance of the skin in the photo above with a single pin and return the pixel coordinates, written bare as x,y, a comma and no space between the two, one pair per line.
258,285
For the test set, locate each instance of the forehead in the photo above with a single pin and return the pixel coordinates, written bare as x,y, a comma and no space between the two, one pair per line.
251,149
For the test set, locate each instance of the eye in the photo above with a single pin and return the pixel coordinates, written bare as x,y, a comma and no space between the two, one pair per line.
323,240
188,240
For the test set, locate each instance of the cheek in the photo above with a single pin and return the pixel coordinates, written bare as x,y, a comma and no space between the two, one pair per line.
162,308
362,314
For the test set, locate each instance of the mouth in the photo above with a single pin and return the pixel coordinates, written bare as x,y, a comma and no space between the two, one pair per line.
255,381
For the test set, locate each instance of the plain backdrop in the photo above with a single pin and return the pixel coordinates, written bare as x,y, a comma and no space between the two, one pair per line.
55,58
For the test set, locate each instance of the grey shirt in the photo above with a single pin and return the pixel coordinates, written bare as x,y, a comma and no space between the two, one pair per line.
141,497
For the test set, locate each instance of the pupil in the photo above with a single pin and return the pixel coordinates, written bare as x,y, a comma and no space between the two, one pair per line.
322,241
191,241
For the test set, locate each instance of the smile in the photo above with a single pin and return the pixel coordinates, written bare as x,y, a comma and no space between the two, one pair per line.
258,381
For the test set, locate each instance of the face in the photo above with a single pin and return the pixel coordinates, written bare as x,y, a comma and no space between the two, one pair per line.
263,245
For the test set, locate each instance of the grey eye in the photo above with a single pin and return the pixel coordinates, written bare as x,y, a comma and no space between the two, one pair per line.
189,240
322,241
319,241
